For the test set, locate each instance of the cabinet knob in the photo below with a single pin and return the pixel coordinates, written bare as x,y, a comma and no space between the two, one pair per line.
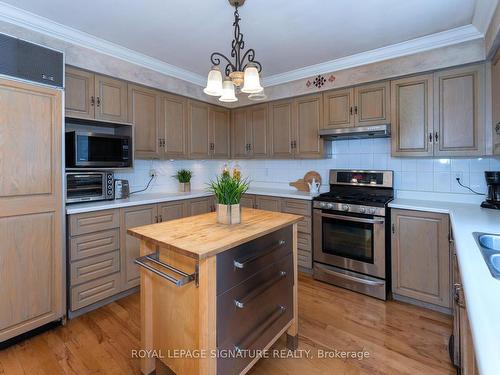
430,137
92,101
436,137
98,101
355,109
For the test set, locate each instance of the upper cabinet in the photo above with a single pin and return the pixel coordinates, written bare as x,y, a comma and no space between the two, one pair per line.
294,126
219,133
495,93
92,96
357,106
250,132
459,111
412,116
440,114
173,126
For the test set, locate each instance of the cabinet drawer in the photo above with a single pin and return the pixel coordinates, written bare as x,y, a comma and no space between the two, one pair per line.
296,206
94,244
252,256
252,313
94,267
93,221
304,241
94,291
304,226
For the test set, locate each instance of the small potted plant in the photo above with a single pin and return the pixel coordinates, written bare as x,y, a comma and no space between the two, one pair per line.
184,178
228,191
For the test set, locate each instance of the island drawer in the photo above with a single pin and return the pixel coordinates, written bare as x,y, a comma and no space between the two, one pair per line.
94,267
93,221
250,315
94,244
236,265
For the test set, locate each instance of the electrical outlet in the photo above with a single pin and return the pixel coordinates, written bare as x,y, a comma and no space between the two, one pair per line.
459,175
152,173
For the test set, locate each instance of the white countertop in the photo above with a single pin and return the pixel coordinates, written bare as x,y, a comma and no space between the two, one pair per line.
152,198
482,291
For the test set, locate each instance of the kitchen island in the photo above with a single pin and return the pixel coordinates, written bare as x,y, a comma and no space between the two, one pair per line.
214,295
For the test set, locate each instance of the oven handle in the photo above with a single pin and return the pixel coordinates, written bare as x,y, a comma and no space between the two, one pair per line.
354,218
352,278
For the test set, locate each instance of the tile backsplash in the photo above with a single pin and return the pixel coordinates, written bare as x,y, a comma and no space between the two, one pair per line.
436,175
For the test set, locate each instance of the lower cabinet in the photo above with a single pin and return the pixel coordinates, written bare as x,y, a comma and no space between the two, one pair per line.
421,258
101,254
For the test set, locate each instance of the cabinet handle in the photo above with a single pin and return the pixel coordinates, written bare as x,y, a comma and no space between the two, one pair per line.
242,263
160,218
249,146
393,228
98,101
156,219
430,137
241,303
436,137
350,111
92,101
355,109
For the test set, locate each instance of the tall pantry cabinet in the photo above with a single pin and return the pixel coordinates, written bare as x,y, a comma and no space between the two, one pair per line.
31,263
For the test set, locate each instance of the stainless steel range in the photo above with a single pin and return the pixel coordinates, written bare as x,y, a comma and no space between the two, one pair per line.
351,231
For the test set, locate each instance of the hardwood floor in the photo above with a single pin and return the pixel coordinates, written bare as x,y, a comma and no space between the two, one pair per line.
400,339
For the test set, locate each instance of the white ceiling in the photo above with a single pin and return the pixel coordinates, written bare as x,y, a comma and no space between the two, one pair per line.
286,34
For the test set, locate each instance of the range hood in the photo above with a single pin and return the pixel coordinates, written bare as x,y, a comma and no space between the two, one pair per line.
358,132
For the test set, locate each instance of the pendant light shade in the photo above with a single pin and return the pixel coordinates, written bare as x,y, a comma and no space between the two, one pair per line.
214,82
258,96
228,94
251,83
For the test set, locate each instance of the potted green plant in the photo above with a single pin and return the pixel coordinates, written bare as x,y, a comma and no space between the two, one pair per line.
228,191
184,178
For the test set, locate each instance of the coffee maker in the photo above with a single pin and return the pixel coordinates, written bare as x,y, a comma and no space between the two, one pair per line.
493,196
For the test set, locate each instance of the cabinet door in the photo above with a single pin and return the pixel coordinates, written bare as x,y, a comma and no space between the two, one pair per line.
240,129
31,266
421,256
219,133
172,210
199,206
173,121
412,116
281,129
308,144
143,108
459,112
259,131
111,99
268,203
247,201
130,246
79,97
371,105
495,94
338,108
198,128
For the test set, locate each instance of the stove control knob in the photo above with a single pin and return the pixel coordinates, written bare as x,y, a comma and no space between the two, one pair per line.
345,207
329,205
371,211
322,204
362,210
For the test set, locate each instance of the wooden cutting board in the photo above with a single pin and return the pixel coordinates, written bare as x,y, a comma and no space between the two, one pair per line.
301,183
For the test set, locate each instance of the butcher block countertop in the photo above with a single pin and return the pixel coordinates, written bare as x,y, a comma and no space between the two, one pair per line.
201,236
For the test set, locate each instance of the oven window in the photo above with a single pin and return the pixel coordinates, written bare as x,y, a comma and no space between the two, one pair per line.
84,186
348,239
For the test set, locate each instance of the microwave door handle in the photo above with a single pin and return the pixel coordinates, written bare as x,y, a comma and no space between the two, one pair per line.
353,218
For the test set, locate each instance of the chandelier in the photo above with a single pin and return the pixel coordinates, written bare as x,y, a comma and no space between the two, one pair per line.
241,71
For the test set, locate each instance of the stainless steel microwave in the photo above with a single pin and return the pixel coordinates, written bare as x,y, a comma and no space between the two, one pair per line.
89,186
96,150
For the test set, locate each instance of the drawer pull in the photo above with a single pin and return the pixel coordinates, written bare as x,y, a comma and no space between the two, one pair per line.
242,302
242,263
186,278
258,331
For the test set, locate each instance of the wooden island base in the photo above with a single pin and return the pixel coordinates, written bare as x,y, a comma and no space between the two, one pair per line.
212,295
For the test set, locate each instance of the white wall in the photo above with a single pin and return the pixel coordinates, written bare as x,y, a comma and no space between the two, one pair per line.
420,175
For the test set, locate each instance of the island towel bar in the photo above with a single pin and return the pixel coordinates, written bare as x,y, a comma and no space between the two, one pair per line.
186,278
242,263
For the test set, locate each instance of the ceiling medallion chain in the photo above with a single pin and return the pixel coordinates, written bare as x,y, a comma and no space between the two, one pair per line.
239,70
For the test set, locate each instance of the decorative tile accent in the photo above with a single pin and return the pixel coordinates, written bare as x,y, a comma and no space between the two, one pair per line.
319,81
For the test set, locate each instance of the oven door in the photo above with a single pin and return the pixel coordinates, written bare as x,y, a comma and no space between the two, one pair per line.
101,150
350,242
84,187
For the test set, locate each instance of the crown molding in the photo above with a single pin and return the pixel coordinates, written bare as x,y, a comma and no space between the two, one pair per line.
483,14
410,47
31,21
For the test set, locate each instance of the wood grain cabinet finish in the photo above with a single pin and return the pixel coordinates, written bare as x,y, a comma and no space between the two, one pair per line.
133,217
200,206
198,130
250,132
174,126
421,257
371,104
263,202
281,120
412,120
143,112
94,291
338,108
31,253
110,99
93,221
459,111
93,244
94,267
172,210
219,133
79,96
248,200
495,93
309,115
